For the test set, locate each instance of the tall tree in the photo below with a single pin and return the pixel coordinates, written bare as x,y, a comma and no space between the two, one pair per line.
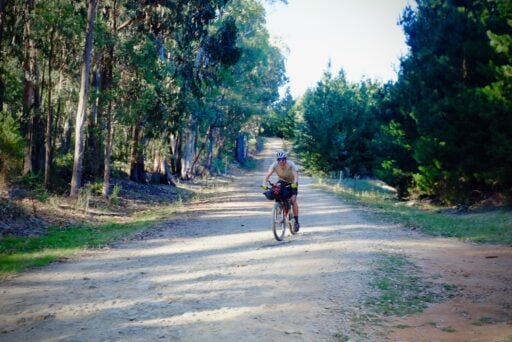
499,93
110,15
76,180
175,86
31,95
336,126
248,88
442,82
3,8
393,144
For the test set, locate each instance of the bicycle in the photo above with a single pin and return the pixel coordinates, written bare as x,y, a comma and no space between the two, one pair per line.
282,213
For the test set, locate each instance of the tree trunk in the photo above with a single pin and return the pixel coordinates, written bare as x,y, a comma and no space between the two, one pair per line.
175,143
107,84
30,92
28,85
209,151
137,173
76,180
241,148
167,174
66,133
93,159
49,120
108,152
58,112
3,5
207,140
219,151
187,159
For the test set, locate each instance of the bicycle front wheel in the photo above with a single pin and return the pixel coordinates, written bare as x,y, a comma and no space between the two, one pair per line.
278,222
291,223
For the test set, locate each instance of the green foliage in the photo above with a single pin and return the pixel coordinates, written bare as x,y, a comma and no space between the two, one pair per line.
337,126
280,121
11,144
219,166
393,143
34,184
196,72
233,100
444,129
221,46
11,75
114,197
445,104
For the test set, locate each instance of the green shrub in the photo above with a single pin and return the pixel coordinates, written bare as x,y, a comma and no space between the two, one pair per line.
11,144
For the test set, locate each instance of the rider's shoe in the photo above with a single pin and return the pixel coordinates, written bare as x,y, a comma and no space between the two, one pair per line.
296,227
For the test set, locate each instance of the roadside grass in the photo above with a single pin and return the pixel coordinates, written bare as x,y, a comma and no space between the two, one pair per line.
20,253
399,289
396,290
482,226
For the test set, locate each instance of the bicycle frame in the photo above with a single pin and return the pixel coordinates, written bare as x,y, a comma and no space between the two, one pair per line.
282,217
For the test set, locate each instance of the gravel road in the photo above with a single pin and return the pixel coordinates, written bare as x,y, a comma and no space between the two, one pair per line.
213,273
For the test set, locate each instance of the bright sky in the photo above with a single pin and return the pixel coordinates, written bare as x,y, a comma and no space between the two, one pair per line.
360,36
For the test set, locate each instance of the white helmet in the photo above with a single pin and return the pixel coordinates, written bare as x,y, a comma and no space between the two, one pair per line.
280,154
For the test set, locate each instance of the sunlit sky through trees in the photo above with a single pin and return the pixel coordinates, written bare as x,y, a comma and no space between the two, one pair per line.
361,36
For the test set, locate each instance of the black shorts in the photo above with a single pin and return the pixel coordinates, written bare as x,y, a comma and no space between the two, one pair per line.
287,189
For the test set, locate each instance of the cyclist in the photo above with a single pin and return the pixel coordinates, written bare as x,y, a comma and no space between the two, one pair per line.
287,171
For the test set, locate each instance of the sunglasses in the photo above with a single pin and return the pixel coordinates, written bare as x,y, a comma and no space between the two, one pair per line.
281,159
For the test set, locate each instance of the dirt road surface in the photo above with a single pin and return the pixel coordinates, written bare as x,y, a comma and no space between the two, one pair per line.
215,273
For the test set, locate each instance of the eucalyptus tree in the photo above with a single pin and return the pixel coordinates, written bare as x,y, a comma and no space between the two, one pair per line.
3,17
249,87
76,179
109,20
203,61
36,47
198,68
56,31
167,54
31,94
160,70
11,91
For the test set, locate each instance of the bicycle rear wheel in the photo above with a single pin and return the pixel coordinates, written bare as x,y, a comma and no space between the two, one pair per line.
278,222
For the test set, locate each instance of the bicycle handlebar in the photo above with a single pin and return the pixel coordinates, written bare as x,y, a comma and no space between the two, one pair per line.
286,184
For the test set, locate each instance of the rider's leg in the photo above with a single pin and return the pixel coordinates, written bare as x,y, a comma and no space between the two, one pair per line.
295,207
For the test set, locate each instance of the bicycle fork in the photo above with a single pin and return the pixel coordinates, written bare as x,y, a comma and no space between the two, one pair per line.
286,208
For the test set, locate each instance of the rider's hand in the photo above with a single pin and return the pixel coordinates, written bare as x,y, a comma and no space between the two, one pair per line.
294,186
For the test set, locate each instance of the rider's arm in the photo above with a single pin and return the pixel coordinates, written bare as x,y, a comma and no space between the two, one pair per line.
270,171
267,176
